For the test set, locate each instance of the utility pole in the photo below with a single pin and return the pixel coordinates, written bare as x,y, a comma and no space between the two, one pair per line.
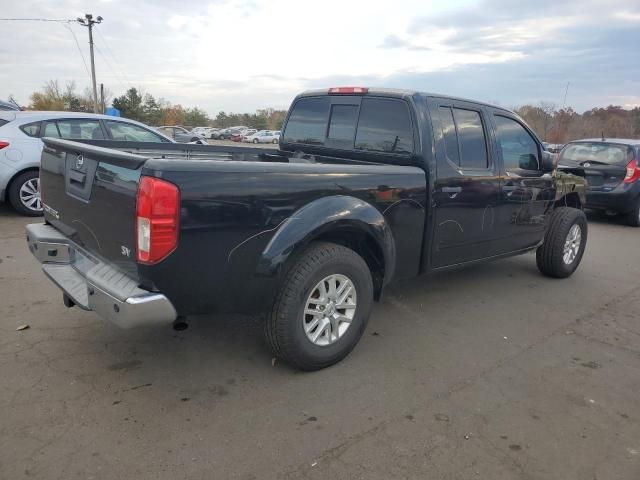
89,22
102,105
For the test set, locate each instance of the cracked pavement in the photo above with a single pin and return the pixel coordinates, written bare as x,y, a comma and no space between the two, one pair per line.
490,372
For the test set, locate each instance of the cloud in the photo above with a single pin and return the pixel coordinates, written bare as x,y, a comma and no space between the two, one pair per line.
239,55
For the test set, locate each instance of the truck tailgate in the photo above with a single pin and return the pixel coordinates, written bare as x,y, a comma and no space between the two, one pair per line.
89,195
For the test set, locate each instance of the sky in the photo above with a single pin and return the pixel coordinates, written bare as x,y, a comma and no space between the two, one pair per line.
242,55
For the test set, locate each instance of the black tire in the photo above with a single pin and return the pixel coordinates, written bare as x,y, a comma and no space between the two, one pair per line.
284,328
274,141
255,140
633,217
14,194
549,255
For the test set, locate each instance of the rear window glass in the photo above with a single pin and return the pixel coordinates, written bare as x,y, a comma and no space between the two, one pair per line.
31,129
601,153
473,147
342,125
384,126
449,134
308,121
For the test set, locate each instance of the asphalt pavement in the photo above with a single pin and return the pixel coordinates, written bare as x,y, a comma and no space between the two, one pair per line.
490,372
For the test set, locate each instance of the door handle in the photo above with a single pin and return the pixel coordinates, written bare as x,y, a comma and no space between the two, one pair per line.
451,191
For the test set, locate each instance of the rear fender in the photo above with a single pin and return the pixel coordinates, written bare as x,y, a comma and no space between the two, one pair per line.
325,217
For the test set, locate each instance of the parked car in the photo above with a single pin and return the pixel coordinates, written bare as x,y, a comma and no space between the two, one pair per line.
251,137
367,186
210,132
182,135
21,146
612,170
264,136
229,132
238,137
8,106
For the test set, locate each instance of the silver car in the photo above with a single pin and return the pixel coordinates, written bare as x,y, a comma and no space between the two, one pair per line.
20,147
182,135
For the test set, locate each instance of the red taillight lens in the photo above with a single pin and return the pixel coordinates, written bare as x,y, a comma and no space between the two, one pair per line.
348,90
157,219
3,144
633,172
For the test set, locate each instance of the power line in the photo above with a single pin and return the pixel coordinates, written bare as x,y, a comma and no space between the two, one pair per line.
116,76
113,56
35,20
79,50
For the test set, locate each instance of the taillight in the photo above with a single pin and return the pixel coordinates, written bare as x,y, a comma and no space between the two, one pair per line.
348,90
157,219
3,144
633,172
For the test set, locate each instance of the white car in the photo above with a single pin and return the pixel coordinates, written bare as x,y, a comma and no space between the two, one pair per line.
264,136
21,147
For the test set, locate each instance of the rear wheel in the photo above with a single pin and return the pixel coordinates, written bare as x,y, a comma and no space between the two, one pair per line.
564,243
255,140
633,217
275,140
322,307
24,194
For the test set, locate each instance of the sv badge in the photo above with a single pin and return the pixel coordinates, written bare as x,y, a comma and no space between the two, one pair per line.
125,251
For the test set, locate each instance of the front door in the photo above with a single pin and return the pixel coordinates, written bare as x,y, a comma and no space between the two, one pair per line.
466,190
526,192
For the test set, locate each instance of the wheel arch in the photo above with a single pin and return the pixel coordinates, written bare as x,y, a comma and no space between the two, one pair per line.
571,199
344,220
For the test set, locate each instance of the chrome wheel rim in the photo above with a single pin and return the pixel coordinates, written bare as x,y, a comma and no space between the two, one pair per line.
30,194
329,310
572,244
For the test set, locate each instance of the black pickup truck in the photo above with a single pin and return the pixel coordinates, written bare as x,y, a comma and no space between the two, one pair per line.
367,186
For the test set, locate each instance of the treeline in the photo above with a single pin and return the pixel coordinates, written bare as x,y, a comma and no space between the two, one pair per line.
562,125
145,108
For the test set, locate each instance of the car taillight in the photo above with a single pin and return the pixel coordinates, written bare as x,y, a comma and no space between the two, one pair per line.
157,219
633,172
348,90
3,144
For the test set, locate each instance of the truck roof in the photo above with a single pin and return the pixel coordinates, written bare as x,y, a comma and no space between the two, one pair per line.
399,92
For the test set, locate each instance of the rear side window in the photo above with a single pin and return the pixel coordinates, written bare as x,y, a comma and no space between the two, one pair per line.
384,126
464,138
75,129
3,122
31,129
342,125
308,121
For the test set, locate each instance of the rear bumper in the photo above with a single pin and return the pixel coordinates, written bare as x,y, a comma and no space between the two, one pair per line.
621,199
95,285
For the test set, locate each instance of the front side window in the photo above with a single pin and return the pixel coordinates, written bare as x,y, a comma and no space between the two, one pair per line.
80,129
342,125
518,148
128,132
384,126
308,121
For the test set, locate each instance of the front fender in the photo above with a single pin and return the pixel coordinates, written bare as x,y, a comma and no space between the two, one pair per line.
328,215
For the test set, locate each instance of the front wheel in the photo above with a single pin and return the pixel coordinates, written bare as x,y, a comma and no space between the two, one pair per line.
322,307
255,140
274,141
564,243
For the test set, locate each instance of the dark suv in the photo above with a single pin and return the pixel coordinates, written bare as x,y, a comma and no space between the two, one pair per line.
612,170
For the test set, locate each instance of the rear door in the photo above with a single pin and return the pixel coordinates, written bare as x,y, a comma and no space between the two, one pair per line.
466,191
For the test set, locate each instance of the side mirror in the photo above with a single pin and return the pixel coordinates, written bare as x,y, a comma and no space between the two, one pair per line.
547,161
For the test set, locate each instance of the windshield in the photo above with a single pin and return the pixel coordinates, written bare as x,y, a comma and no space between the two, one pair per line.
598,153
